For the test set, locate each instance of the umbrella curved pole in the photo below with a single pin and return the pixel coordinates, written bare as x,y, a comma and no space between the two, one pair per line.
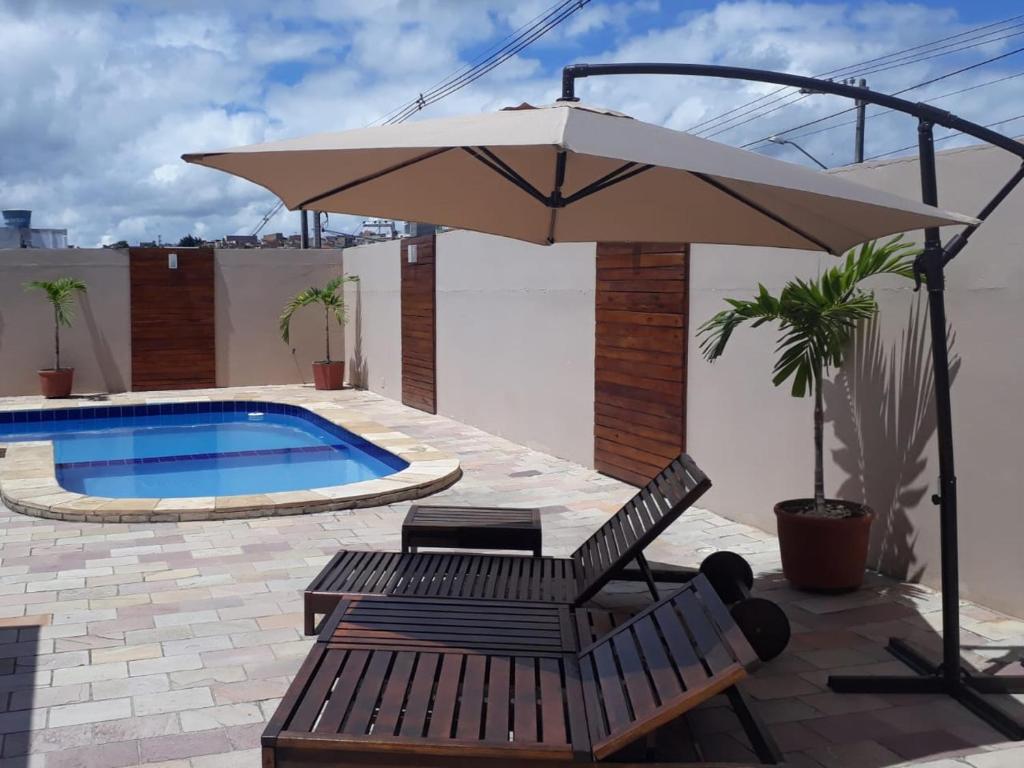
927,112
950,676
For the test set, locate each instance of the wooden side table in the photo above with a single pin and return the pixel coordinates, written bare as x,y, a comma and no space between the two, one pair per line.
471,528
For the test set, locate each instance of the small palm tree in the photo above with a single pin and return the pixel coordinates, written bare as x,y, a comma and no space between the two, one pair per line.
817,319
61,294
328,298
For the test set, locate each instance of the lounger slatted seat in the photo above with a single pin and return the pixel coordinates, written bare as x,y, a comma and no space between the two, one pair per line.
382,688
613,548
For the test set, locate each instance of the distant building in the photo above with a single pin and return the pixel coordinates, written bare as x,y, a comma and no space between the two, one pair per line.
273,240
379,229
418,228
241,241
17,232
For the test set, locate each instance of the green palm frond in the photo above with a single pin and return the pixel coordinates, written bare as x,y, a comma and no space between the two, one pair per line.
817,317
327,297
61,294
718,330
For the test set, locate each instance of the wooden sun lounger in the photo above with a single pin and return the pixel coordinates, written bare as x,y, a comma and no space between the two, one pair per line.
453,682
606,555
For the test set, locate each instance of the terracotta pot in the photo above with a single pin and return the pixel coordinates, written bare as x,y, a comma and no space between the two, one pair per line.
823,553
328,375
56,383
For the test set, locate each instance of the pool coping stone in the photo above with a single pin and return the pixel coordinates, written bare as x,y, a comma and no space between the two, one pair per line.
28,481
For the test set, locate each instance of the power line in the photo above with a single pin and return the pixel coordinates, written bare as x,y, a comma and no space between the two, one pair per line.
267,217
525,36
926,101
759,111
845,70
487,54
922,84
945,53
952,135
481,71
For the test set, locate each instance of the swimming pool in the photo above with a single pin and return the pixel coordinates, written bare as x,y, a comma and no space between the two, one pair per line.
198,449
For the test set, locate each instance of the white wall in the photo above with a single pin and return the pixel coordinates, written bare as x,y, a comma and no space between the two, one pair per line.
97,346
251,288
373,336
515,340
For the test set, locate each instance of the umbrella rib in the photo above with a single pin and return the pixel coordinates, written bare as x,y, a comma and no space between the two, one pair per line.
623,172
762,210
556,193
507,172
374,175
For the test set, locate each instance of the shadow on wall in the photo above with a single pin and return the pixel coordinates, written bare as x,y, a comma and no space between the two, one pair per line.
882,407
113,381
358,368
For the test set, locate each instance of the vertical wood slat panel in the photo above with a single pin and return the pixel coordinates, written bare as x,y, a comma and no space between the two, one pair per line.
641,337
172,319
419,325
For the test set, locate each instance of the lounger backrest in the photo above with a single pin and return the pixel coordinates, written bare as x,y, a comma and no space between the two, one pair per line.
616,543
661,663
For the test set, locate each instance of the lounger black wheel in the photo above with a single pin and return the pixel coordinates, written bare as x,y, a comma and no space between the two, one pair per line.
730,574
762,621
765,625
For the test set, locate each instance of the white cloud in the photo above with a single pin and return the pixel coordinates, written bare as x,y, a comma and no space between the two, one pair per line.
100,100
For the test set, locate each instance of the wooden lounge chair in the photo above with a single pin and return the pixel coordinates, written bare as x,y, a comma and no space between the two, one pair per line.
454,682
608,554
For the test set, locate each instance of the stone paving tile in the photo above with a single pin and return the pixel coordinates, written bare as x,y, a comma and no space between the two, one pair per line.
170,644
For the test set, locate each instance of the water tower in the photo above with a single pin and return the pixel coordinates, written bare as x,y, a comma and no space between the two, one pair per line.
17,218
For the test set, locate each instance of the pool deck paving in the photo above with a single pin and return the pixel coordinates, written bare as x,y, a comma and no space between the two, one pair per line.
169,644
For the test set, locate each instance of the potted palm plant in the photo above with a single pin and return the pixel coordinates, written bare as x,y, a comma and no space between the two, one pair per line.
327,373
57,382
823,541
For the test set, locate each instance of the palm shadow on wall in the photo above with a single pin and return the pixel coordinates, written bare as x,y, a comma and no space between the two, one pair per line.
882,405
359,371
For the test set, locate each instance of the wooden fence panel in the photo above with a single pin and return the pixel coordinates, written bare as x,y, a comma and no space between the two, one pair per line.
172,319
640,362
419,325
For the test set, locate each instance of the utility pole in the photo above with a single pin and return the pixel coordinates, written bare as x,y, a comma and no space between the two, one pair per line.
858,141
304,230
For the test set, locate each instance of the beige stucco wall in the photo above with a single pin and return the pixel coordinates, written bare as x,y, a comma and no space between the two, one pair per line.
97,346
515,336
251,288
373,336
515,340
755,441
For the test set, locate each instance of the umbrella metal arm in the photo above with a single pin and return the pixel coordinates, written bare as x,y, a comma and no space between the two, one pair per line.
574,72
951,676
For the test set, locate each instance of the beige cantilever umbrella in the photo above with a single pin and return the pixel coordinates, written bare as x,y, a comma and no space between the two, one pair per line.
573,173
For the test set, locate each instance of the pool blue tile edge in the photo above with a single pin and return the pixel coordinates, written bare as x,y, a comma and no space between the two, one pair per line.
28,477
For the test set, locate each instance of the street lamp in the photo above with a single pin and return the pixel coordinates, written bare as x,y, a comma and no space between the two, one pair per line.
777,140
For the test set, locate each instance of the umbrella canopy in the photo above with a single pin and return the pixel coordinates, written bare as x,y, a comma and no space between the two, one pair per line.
573,173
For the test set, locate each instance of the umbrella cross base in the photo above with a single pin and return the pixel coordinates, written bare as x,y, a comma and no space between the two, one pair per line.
963,685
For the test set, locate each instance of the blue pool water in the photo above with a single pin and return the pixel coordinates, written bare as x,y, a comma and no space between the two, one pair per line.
177,450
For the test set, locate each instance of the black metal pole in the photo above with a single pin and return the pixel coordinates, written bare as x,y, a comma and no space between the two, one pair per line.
931,264
304,229
317,231
858,143
922,111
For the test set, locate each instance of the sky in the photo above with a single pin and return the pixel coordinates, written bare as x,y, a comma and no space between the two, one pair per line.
98,100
